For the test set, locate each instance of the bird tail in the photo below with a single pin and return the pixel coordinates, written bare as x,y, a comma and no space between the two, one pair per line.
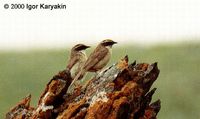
79,75
73,83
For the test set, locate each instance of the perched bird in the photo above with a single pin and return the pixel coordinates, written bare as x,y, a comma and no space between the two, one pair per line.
77,59
97,59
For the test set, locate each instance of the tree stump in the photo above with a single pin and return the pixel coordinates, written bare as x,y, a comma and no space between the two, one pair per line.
121,91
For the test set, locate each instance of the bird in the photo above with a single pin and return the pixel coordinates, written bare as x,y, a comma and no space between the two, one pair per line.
97,59
77,59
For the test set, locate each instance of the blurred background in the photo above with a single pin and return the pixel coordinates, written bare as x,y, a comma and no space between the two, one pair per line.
35,45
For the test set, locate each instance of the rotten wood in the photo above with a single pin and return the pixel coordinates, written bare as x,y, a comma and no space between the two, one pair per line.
121,91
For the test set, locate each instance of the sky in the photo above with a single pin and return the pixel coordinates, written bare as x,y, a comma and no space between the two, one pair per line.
143,22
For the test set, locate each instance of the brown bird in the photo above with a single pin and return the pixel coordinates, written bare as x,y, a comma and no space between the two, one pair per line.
97,59
77,59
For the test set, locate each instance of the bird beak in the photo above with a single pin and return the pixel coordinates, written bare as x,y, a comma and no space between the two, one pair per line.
87,46
114,42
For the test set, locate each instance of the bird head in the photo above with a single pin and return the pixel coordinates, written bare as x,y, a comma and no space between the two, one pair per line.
108,42
80,47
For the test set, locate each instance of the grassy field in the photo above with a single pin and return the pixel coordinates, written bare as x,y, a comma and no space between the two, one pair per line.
178,84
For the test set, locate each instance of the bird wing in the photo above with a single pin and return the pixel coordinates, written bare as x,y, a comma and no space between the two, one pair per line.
95,57
72,62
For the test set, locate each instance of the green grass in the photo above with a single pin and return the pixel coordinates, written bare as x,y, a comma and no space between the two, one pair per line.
177,86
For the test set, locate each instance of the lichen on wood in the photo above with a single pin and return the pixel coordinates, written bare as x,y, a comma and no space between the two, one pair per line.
121,91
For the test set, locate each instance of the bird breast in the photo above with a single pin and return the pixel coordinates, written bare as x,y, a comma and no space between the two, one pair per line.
77,67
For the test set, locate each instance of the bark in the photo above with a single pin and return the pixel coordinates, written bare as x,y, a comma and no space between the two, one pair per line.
121,91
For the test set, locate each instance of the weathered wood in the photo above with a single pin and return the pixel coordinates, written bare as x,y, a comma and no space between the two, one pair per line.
121,91
52,97
22,110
